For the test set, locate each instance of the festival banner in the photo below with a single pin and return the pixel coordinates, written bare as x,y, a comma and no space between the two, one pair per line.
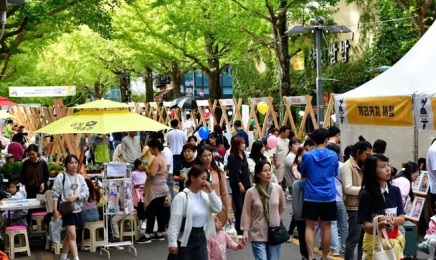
54,91
387,111
424,107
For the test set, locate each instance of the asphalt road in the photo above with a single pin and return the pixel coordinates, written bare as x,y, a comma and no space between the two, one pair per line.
158,250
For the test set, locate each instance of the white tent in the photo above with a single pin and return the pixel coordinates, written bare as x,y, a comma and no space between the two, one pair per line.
413,77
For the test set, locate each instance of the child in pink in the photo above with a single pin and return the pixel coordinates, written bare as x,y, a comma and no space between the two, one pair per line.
217,245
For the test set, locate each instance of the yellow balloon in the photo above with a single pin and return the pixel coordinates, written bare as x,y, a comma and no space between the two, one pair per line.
262,107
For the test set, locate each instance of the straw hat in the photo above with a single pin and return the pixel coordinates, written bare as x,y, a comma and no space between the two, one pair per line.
222,215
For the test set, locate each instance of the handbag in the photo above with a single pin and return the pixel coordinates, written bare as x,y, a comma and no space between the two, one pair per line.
55,228
67,207
276,235
381,253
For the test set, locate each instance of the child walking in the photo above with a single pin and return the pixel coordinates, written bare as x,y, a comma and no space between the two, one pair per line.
138,180
217,245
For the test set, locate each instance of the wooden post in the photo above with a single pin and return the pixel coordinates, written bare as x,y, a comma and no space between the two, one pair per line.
299,100
253,104
225,104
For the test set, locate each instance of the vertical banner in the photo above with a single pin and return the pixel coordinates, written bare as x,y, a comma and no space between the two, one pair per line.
424,116
245,114
387,111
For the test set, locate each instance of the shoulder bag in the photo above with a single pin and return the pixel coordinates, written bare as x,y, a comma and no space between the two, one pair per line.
182,226
381,253
276,235
66,207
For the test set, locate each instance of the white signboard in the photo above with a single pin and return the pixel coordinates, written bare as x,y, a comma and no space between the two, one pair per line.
56,91
116,169
245,114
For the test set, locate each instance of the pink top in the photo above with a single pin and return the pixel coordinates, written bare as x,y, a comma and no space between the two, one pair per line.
217,246
253,217
138,178
404,184
17,150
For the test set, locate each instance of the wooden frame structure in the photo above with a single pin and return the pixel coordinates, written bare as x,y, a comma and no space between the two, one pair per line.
299,100
226,103
202,106
253,104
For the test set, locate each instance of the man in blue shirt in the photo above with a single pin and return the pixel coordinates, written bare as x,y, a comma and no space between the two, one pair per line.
319,168
240,132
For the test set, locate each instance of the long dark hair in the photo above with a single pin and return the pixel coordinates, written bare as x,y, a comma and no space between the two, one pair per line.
201,150
409,168
94,194
255,154
236,142
258,169
299,153
370,184
195,171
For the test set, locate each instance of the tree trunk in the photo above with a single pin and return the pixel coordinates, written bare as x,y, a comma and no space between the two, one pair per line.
213,73
98,93
176,77
123,87
282,53
149,94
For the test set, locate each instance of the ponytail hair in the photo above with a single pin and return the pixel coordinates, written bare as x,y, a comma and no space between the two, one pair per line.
406,172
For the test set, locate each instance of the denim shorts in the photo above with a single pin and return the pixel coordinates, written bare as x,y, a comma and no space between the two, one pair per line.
90,215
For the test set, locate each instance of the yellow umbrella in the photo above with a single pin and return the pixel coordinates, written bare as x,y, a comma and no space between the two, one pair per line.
103,104
102,121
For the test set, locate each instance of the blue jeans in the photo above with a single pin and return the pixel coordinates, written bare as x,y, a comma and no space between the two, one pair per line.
342,225
89,215
265,251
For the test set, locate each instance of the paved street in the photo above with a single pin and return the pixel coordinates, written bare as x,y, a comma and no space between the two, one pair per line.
159,251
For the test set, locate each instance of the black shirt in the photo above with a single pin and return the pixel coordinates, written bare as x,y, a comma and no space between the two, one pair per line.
182,165
238,170
394,205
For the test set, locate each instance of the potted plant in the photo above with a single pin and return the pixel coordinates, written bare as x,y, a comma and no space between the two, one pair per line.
8,170
52,170
59,169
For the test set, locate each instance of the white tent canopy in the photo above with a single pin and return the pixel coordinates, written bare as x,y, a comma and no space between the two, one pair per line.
413,74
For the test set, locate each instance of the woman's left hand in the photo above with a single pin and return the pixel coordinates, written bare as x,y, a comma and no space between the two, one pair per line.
41,187
72,198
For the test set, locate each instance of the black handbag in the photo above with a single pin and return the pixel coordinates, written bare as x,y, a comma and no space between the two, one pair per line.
276,235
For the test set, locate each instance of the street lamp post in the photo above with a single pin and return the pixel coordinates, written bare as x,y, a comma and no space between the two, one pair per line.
318,28
3,11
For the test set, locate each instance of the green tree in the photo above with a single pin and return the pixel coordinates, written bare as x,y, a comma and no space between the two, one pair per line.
76,59
37,22
265,22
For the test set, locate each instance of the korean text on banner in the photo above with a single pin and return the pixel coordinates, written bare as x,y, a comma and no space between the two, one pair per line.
53,91
388,111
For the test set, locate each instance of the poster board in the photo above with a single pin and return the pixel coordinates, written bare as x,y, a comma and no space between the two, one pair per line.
421,185
414,208
116,170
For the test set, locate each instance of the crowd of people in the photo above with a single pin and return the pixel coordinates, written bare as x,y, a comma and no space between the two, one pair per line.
217,182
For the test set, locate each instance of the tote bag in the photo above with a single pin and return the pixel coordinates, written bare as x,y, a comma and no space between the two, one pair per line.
381,253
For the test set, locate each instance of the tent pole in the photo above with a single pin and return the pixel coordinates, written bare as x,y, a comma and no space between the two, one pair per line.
415,133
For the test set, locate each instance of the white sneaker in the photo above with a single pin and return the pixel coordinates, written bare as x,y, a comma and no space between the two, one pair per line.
289,197
143,225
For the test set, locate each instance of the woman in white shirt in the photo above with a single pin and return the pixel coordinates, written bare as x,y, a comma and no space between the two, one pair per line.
404,180
191,217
